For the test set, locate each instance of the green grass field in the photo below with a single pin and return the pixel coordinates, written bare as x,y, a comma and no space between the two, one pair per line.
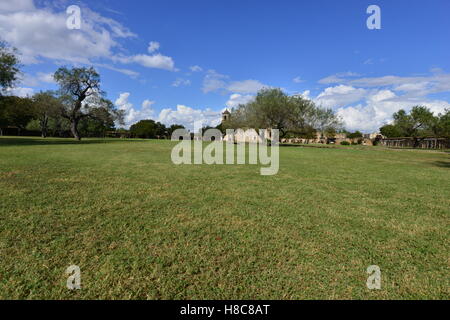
140,227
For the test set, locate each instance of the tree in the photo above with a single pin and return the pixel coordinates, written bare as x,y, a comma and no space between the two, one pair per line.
148,129
9,66
81,96
15,111
271,109
325,120
174,127
391,131
46,106
304,117
443,125
417,123
101,119
355,135
274,109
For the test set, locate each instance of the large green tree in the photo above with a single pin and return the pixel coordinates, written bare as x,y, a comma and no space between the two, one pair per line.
172,128
355,135
9,70
9,66
100,120
82,96
15,111
391,131
46,106
442,125
148,129
419,123
272,108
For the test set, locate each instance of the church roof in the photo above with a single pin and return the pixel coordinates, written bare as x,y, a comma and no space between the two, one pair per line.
226,112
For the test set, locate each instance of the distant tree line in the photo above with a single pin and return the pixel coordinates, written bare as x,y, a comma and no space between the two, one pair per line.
419,123
150,129
78,107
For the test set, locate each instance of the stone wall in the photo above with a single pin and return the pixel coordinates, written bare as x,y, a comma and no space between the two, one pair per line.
419,143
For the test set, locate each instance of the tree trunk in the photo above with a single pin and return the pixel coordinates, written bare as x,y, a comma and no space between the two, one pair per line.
44,126
74,129
1,132
58,128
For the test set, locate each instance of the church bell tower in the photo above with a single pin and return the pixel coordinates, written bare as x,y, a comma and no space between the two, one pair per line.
226,116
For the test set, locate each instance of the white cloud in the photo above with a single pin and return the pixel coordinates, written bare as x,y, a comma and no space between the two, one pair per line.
42,33
305,94
157,61
110,25
36,80
45,77
338,77
128,72
122,102
236,99
369,117
180,115
436,70
381,96
339,96
375,108
378,98
434,83
246,86
153,46
186,116
331,79
16,5
196,69
131,114
214,81
20,92
348,74
181,82
298,80
147,104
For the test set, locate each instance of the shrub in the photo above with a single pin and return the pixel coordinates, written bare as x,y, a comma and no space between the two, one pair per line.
345,143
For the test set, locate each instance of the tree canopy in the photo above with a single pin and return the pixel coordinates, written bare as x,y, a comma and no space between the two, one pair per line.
83,98
150,129
45,106
272,108
9,66
419,122
78,106
15,111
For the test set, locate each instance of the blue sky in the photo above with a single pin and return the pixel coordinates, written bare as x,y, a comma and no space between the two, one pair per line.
209,55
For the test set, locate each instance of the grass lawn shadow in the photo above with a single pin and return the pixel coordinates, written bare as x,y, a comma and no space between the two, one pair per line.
443,164
31,141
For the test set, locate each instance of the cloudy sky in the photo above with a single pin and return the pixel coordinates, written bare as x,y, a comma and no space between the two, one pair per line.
181,61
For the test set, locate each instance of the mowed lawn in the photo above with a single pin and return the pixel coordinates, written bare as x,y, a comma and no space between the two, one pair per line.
140,227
